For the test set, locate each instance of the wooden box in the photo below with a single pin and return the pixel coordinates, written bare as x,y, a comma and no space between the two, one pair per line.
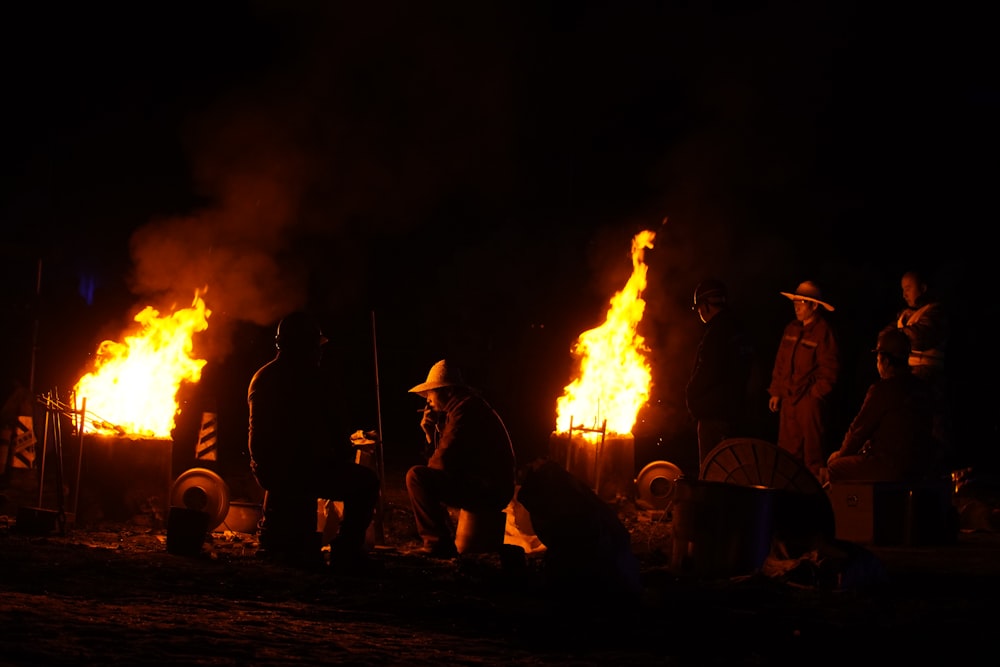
893,513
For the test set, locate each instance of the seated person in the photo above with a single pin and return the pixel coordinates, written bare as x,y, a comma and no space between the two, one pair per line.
890,439
472,466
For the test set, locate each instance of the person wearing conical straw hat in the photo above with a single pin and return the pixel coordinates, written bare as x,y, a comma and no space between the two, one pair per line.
472,466
805,373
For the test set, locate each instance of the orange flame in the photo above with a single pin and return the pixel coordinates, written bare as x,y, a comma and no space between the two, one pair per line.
614,378
133,385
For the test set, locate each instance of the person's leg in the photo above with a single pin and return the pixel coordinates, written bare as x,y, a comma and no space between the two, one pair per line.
789,432
357,486
812,421
288,529
431,491
859,468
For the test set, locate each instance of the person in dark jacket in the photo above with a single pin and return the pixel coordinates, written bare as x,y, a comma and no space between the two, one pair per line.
805,372
472,466
925,321
717,389
299,452
891,437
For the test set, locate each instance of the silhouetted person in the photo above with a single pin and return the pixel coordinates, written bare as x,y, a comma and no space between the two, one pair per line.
890,438
804,375
298,453
717,389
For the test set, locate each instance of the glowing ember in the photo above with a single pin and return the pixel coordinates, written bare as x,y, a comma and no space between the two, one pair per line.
614,376
133,385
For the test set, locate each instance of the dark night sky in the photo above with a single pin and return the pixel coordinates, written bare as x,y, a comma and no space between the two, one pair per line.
473,173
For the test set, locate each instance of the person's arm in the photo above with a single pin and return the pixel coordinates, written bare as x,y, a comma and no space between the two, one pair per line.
450,432
927,331
705,377
429,425
863,426
779,372
827,364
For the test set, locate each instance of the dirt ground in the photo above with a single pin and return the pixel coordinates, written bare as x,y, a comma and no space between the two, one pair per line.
113,594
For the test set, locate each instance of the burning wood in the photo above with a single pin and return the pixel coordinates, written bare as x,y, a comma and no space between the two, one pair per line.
598,409
614,377
133,385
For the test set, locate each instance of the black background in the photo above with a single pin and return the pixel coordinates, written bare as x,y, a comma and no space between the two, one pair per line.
464,180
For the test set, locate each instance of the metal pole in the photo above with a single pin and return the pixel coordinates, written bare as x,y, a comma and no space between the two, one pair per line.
379,452
58,452
597,458
79,458
34,331
569,446
45,442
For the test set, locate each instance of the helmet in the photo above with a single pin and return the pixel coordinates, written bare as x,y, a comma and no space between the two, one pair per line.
710,291
893,343
299,331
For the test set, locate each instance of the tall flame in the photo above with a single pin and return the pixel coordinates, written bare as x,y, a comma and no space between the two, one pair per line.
133,385
614,377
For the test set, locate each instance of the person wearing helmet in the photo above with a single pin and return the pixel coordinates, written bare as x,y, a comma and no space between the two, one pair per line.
804,375
472,465
716,391
890,439
299,452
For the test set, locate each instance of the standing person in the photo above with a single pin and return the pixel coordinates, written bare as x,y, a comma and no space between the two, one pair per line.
804,375
472,466
717,389
926,325
299,453
890,438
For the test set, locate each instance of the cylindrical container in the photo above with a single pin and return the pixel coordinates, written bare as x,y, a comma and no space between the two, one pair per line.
480,532
118,479
186,531
720,529
242,517
329,514
606,465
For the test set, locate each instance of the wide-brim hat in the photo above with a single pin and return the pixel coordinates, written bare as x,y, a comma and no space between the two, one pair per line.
441,375
808,291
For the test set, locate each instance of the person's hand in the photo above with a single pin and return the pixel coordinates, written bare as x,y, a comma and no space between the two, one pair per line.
833,457
774,403
428,424
359,437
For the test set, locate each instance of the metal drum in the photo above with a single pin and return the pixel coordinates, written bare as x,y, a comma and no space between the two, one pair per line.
720,529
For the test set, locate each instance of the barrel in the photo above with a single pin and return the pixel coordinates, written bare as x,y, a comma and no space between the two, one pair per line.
720,529
480,532
187,531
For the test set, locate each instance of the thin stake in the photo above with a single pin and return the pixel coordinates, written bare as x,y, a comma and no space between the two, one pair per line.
379,462
81,420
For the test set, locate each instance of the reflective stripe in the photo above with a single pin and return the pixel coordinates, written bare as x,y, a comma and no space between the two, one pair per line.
207,445
926,358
